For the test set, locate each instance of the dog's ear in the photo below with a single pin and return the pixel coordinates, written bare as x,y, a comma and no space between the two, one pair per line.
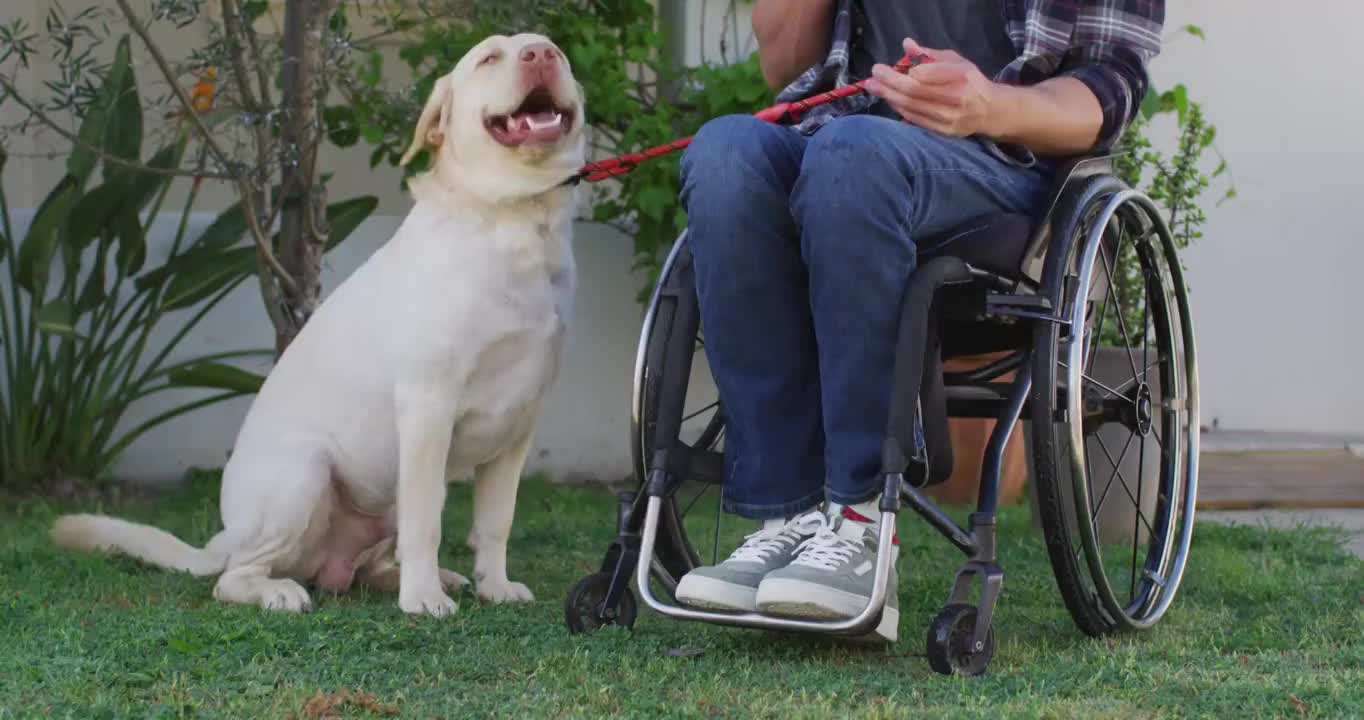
431,125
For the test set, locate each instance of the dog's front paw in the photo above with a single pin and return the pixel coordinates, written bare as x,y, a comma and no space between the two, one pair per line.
284,594
505,591
427,601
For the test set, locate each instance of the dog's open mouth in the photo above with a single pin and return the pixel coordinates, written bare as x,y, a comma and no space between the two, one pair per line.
539,119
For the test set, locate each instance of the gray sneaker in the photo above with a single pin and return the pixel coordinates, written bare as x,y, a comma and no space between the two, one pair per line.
733,584
831,576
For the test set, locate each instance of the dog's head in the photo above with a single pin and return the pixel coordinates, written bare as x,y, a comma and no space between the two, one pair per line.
507,120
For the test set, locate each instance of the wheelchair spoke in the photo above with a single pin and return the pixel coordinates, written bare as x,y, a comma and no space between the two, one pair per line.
1095,338
1140,518
1116,394
1141,476
1117,302
1127,489
1141,447
1145,373
702,491
1145,329
702,410
1117,472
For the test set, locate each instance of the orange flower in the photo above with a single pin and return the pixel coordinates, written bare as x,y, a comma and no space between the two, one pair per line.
204,91
201,98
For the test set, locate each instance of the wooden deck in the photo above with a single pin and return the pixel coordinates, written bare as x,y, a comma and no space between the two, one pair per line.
1306,479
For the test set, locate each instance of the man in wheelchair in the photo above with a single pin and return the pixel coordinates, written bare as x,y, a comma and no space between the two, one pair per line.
803,240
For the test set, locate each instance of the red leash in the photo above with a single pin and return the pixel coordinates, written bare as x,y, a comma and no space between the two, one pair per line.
781,114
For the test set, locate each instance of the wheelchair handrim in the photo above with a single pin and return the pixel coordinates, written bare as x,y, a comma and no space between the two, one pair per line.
1191,398
1158,592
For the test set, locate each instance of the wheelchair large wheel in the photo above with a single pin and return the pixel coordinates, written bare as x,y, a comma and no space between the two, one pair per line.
694,507
1115,410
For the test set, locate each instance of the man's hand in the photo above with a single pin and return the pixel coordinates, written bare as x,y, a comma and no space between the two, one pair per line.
949,95
1058,116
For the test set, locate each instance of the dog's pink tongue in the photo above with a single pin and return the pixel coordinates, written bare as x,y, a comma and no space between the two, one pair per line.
541,125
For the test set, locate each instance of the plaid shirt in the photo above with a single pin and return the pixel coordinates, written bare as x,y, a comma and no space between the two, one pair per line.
1106,44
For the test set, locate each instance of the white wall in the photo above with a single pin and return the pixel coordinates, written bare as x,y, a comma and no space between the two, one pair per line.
1275,289
1277,320
717,35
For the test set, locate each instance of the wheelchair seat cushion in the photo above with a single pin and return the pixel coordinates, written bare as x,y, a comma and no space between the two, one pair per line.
994,242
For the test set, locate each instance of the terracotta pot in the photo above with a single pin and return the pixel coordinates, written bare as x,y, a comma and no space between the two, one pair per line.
969,438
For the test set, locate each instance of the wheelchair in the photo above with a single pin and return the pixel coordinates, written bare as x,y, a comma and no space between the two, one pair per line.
1096,277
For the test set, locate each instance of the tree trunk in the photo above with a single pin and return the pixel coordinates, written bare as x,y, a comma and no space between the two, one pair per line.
303,224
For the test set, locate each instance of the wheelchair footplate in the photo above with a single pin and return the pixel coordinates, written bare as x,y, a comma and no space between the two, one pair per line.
960,639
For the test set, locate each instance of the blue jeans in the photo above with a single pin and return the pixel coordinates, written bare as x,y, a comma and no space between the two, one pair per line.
803,247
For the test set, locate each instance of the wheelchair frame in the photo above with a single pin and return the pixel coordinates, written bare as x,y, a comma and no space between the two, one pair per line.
1057,267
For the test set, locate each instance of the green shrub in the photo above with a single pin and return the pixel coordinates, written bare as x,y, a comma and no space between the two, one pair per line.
82,304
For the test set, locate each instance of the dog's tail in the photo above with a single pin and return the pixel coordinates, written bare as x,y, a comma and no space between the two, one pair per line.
99,533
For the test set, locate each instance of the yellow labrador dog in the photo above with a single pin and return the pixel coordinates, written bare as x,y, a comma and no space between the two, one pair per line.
433,357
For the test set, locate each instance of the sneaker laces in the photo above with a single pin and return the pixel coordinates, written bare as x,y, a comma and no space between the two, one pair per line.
759,545
827,550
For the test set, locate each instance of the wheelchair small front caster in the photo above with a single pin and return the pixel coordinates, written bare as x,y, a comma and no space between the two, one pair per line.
584,611
950,640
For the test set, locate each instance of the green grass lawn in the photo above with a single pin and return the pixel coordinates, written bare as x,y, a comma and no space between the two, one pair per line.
1268,624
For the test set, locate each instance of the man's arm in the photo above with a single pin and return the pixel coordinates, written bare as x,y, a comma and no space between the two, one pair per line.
1058,116
1118,80
792,35
1085,107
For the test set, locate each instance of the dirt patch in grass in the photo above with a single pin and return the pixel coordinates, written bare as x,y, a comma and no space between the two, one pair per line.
335,704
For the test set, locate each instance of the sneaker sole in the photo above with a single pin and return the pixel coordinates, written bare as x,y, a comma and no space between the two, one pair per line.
820,602
713,594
